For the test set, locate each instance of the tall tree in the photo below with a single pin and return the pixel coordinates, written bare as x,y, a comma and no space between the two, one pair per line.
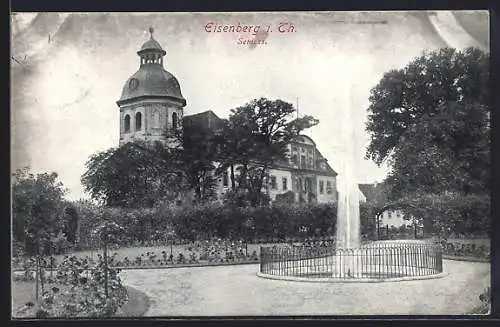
430,121
37,206
196,151
133,175
255,137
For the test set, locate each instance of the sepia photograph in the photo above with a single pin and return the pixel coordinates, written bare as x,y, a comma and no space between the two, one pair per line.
250,164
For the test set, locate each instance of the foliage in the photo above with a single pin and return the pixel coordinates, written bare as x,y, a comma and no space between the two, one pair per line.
449,213
286,198
254,137
275,222
109,232
456,249
431,120
81,292
485,299
70,223
37,206
197,154
167,223
77,289
133,176
89,219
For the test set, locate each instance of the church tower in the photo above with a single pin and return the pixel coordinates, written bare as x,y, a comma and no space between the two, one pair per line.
151,104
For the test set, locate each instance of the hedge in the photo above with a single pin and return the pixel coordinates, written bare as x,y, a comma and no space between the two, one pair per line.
167,223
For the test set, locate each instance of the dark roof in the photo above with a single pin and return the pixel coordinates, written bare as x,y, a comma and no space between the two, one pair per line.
152,80
301,138
373,191
206,119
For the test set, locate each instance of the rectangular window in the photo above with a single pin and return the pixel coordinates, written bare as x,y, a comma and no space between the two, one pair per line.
285,183
329,187
273,183
303,161
294,159
225,179
321,187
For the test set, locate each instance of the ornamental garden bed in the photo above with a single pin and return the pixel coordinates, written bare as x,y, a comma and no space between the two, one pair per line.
210,254
76,288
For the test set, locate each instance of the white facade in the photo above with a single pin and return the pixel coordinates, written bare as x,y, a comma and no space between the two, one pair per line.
393,218
281,181
327,189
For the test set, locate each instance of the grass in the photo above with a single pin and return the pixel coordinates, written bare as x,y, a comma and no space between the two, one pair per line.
24,292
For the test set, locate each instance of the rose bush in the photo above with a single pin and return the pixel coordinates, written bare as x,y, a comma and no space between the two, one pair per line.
78,289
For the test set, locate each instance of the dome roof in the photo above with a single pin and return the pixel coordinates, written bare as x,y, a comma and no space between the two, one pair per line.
152,80
151,44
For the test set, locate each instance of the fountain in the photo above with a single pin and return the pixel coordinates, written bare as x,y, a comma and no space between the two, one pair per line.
348,260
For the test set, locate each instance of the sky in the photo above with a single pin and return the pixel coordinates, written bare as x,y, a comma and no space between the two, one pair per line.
68,71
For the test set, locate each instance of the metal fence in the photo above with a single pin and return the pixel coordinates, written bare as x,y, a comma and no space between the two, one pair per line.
373,261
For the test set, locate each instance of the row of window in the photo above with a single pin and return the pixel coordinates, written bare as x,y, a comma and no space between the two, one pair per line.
306,186
396,215
329,189
273,182
306,162
138,121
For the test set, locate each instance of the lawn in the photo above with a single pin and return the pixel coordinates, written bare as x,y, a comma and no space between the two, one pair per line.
22,293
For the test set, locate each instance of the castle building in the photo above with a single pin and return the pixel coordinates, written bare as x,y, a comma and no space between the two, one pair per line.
152,109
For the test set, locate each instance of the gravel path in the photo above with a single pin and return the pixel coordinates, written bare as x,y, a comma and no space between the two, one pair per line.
236,290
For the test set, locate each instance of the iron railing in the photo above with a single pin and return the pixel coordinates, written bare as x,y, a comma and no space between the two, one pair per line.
372,261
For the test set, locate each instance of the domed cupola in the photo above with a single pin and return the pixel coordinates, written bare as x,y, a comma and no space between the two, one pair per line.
151,104
151,80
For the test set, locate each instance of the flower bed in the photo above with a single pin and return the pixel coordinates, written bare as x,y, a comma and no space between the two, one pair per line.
485,300
219,251
457,249
75,288
213,252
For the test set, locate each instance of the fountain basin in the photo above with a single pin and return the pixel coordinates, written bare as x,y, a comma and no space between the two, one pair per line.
374,262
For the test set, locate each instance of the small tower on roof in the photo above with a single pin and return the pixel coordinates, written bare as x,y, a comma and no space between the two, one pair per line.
151,51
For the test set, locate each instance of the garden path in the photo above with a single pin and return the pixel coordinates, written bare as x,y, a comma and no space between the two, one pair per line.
236,290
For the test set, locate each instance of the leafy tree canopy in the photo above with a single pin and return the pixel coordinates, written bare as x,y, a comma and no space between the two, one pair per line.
254,137
430,121
37,206
133,176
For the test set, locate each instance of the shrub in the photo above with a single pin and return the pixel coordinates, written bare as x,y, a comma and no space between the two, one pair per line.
167,224
82,291
452,213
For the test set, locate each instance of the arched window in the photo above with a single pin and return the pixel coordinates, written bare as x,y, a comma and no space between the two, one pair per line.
138,121
156,119
174,120
127,123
